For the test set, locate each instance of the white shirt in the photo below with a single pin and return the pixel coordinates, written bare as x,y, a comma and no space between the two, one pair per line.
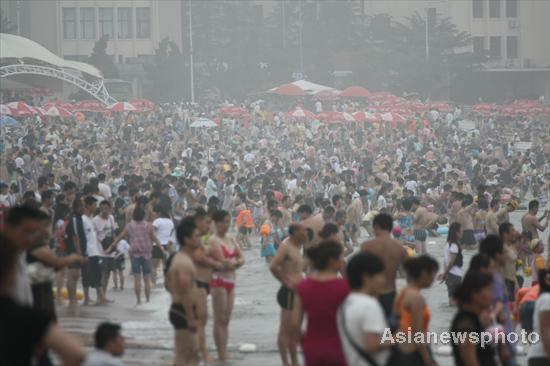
362,314
381,203
97,357
165,230
543,304
450,250
411,186
105,190
19,162
92,246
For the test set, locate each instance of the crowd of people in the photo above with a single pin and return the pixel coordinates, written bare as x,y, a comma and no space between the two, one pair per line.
80,200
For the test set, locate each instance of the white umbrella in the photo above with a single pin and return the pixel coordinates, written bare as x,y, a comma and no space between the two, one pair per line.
203,123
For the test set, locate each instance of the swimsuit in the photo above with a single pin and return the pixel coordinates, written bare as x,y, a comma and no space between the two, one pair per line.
285,298
420,234
177,316
204,285
227,283
218,281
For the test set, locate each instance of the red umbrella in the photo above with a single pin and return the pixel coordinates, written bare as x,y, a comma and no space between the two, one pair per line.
299,113
332,116
58,112
363,116
233,111
122,107
328,95
290,90
89,105
355,92
483,108
143,105
382,97
441,106
57,103
21,109
393,117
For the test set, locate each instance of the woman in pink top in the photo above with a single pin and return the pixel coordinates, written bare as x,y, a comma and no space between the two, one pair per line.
319,297
141,236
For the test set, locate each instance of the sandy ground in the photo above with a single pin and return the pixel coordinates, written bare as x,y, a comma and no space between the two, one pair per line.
255,318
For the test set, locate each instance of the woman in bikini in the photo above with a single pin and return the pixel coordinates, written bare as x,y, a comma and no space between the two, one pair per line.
223,248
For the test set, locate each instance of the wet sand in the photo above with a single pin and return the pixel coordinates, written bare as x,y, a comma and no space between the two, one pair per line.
255,318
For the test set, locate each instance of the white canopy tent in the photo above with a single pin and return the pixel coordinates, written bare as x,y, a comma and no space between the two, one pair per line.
308,87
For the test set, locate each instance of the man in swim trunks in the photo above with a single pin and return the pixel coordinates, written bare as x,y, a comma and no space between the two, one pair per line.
287,267
393,254
204,265
530,222
181,283
465,218
421,220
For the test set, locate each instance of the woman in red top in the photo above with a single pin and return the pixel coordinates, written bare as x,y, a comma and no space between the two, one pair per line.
319,297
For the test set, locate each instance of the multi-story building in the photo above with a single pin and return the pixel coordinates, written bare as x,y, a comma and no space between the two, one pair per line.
70,28
514,33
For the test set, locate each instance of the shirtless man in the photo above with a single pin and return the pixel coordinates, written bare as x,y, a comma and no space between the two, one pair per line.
181,283
455,206
421,220
355,215
393,254
287,267
531,223
494,216
465,218
312,223
205,266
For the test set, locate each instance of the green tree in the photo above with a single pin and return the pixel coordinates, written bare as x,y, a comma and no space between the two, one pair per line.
6,26
393,55
100,59
168,73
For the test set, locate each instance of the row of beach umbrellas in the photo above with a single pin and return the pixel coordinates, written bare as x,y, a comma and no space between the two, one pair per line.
65,109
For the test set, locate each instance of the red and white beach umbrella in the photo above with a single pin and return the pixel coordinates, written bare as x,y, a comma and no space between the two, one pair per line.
332,116
355,92
122,107
441,106
58,112
21,109
299,113
483,108
233,111
393,117
89,105
57,103
143,105
289,90
363,116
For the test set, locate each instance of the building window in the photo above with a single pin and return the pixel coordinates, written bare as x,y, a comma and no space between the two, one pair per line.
478,8
125,23
494,8
87,23
479,45
143,22
69,23
495,48
512,47
511,8
106,25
